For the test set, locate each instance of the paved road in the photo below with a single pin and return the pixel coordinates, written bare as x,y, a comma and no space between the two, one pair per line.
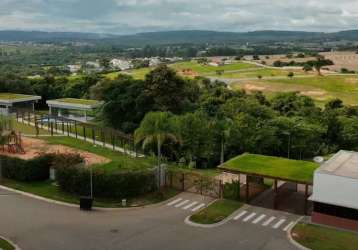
37,225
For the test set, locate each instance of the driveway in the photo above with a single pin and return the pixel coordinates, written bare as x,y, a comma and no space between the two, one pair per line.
37,225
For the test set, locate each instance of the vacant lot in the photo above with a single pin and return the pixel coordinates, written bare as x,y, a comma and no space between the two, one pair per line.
320,88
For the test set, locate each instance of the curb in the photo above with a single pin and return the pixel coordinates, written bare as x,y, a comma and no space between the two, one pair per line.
66,204
12,243
220,223
291,240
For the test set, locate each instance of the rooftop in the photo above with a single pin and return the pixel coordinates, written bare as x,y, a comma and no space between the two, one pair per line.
12,98
272,167
74,103
344,163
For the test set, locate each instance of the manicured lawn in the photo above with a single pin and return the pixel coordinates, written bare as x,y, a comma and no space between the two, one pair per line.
48,190
207,69
4,245
322,238
119,161
27,129
273,167
264,72
216,212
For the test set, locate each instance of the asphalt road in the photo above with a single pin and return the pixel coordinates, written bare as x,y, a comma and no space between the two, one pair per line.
37,225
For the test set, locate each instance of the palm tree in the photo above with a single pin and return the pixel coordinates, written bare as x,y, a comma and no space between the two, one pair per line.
156,127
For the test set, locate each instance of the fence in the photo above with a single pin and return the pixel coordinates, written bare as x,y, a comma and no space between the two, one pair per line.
102,136
194,183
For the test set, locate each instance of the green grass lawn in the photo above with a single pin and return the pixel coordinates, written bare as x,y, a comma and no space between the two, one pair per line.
216,212
273,166
264,72
27,129
4,245
343,87
119,161
48,190
323,238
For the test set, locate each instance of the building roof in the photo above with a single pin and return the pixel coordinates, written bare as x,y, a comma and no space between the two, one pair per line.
73,103
272,167
10,98
344,163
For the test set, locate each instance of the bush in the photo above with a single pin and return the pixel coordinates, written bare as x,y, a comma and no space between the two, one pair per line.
36,169
76,180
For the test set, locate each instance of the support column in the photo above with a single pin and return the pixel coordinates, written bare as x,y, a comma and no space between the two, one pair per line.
247,195
275,195
306,200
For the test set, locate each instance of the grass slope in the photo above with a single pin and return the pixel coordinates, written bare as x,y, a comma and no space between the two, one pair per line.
216,212
4,245
322,238
273,166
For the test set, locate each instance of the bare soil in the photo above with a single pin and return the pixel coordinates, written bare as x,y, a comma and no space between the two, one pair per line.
35,147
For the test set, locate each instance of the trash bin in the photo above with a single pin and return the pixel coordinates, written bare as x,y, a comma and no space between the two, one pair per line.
86,203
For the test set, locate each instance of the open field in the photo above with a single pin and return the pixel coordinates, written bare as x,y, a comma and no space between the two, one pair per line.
321,88
264,72
346,59
301,171
323,238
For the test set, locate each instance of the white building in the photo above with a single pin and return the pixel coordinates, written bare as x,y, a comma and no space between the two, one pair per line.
74,68
154,61
121,64
335,191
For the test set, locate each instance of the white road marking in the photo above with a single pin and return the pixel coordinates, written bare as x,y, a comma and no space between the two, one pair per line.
249,217
182,203
240,215
198,207
288,226
174,201
190,205
258,219
266,223
278,224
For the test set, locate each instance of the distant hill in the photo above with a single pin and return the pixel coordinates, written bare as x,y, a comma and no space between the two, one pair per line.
177,37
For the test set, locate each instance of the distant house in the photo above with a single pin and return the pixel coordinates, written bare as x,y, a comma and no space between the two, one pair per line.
335,198
121,64
74,68
154,61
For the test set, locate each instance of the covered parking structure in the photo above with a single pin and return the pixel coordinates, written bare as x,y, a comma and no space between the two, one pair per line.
256,168
11,101
72,108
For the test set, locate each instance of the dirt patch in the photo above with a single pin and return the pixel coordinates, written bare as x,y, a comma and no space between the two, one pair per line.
35,147
314,93
253,87
188,73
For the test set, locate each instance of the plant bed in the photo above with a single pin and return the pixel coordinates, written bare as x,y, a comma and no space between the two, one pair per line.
5,245
49,190
323,238
216,212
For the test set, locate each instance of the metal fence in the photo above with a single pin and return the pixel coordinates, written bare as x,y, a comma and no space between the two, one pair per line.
102,136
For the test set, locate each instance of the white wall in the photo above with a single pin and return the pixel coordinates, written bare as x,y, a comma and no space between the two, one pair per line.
335,190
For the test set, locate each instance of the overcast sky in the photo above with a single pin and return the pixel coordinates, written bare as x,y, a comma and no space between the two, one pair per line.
132,16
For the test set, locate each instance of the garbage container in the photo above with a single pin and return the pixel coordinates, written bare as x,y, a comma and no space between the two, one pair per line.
86,203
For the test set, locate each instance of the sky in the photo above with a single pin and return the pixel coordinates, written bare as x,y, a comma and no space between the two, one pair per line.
133,16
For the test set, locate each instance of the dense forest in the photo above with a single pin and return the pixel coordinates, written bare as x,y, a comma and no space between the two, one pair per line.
210,120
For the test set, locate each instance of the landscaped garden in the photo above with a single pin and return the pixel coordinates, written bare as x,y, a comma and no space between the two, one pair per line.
323,238
216,212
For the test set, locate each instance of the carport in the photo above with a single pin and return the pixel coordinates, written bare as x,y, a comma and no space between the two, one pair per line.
260,167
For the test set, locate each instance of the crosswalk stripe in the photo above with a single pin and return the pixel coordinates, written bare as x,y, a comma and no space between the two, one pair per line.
174,201
258,219
240,215
198,207
278,224
182,203
288,226
249,217
190,205
266,223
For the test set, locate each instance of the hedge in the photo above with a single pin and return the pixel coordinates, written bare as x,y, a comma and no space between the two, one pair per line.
36,169
121,184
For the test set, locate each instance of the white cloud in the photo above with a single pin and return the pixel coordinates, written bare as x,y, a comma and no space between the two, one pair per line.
130,16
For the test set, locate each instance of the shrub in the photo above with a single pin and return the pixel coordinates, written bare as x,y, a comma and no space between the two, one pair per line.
36,169
76,180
